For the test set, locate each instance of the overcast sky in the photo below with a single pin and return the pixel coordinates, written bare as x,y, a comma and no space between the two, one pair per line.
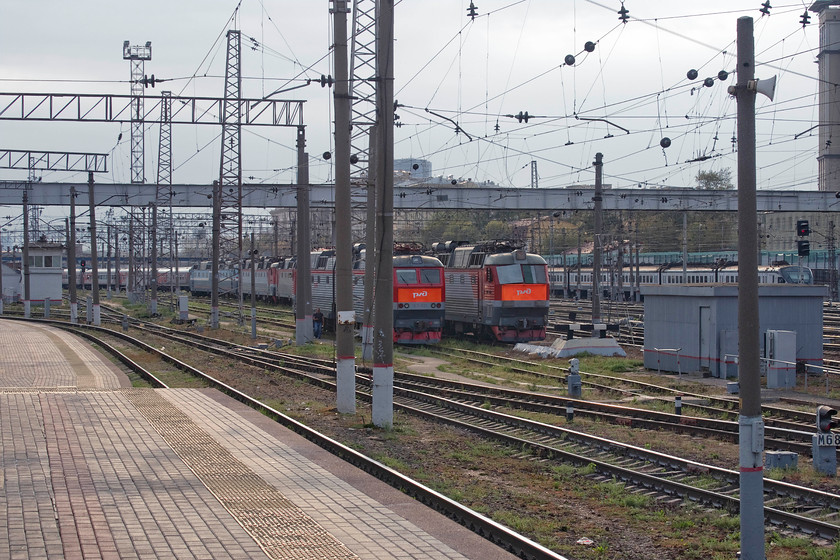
509,59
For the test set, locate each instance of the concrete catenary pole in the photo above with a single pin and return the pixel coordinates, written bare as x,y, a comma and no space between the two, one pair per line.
596,251
117,257
750,423
382,414
71,259
131,286
108,260
685,248
253,261
345,320
214,264
153,281
94,256
27,297
303,286
370,251
638,280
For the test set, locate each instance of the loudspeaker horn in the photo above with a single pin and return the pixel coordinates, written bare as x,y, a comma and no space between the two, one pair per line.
766,87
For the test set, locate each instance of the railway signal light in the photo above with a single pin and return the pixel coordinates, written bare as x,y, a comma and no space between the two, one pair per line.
825,422
802,228
803,248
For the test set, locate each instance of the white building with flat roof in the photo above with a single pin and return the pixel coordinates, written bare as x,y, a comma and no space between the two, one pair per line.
45,268
12,286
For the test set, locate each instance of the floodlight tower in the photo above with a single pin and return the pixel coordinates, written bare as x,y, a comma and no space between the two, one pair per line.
137,55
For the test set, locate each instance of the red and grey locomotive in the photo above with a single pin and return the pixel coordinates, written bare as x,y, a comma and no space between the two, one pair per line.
495,290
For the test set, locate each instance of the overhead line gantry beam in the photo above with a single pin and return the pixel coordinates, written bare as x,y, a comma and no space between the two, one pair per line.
68,107
53,161
437,198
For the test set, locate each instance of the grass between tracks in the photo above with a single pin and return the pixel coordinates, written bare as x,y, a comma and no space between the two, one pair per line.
564,507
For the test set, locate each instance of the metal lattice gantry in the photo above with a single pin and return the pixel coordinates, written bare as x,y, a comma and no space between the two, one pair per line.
230,173
163,197
137,55
363,114
92,107
227,196
362,84
53,161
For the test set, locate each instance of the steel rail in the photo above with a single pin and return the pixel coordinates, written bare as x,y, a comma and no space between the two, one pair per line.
496,533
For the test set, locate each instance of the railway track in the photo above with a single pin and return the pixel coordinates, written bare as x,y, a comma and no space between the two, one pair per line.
495,532
803,509
790,419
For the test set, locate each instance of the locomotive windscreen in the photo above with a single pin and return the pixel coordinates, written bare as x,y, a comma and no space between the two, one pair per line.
430,276
406,276
521,274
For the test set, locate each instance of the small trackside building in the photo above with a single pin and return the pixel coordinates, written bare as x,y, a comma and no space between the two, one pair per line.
12,284
45,270
695,328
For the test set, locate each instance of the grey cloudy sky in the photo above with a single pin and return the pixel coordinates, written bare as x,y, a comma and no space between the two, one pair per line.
510,59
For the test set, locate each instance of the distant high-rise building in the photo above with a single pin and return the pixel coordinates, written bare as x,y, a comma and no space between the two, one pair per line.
829,74
423,168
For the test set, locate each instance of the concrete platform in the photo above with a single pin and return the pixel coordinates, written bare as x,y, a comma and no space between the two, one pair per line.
93,468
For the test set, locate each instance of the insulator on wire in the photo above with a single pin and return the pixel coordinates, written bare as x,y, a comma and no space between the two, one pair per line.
765,8
623,14
472,11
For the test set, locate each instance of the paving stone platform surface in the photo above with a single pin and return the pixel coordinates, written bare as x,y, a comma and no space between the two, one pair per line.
92,468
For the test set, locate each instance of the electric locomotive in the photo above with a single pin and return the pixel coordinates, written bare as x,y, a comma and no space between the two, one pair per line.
495,290
419,296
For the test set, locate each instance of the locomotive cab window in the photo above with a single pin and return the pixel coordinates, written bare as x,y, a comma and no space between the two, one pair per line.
521,274
430,276
533,274
509,274
407,276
